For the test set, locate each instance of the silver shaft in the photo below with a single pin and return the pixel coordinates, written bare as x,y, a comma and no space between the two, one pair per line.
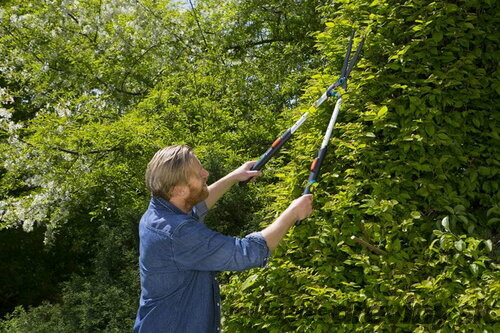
333,119
299,122
320,101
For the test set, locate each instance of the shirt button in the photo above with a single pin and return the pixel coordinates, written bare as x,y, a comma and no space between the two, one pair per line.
218,304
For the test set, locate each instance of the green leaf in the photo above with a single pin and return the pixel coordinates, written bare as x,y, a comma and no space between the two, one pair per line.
430,130
492,210
449,209
437,232
437,36
382,111
484,171
445,222
489,245
249,281
464,219
493,221
459,245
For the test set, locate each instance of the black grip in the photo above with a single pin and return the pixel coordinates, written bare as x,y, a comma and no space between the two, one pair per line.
307,190
243,182
276,146
317,166
313,176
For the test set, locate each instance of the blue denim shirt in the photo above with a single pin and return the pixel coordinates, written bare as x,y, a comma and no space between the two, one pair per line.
178,260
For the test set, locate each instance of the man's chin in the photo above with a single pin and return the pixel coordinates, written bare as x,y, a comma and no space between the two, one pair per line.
202,196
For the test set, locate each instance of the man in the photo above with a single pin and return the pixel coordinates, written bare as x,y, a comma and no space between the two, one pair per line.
179,255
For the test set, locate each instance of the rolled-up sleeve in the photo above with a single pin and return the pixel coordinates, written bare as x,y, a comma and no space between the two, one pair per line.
196,247
200,210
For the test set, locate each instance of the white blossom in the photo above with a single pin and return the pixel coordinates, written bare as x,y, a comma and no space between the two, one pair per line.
62,110
4,113
87,29
28,225
5,97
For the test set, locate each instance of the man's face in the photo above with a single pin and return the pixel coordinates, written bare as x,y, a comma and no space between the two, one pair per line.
198,189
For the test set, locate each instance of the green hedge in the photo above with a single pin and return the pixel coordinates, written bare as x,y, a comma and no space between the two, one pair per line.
412,170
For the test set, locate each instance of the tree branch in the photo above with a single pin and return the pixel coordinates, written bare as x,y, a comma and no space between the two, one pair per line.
198,24
261,42
72,17
368,245
97,151
135,63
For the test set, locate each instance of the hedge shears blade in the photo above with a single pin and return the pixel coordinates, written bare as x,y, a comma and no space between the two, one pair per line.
347,67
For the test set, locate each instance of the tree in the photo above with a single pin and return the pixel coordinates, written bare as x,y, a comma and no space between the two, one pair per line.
89,92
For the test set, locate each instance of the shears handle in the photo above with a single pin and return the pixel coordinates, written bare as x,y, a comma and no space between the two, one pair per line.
313,176
275,147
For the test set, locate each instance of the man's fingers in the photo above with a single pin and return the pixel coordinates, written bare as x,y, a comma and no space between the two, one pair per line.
254,173
308,198
249,164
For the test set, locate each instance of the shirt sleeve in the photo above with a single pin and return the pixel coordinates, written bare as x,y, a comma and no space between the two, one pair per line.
200,210
196,247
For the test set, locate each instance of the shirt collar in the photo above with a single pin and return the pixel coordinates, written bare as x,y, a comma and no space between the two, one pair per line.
159,202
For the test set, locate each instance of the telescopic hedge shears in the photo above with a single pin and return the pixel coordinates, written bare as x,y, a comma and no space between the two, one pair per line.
280,141
341,82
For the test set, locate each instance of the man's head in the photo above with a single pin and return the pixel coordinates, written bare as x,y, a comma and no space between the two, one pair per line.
175,171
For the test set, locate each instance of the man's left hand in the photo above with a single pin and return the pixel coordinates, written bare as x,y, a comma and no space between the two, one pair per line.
243,172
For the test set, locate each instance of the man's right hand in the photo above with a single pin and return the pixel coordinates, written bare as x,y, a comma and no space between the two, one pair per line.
302,207
298,210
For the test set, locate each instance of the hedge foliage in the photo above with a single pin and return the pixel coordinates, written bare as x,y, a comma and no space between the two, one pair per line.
413,170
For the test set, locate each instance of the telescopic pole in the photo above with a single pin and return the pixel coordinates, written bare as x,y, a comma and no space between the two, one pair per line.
277,144
317,161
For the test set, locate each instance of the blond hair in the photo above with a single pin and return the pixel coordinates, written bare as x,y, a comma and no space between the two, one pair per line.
169,167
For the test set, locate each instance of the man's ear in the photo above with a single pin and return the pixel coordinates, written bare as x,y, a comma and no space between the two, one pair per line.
179,191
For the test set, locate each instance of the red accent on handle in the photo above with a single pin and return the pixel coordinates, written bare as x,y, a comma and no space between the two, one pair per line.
313,165
276,142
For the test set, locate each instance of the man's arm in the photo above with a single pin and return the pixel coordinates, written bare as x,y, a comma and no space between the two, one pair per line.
299,209
196,247
217,189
